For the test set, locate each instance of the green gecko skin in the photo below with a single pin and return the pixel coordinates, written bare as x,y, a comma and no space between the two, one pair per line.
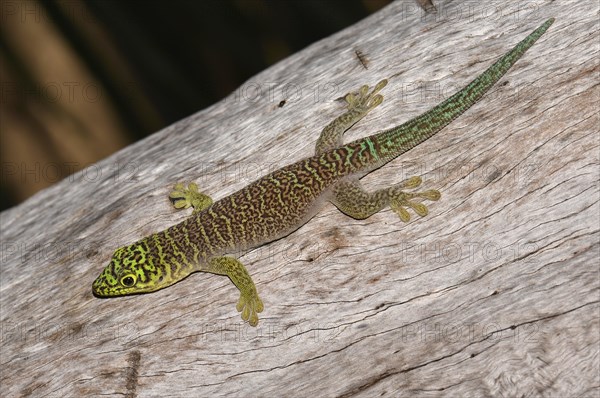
279,203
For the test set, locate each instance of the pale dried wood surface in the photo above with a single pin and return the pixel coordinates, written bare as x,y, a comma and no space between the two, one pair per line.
495,293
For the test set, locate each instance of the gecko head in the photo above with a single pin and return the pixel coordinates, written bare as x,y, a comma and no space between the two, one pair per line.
131,270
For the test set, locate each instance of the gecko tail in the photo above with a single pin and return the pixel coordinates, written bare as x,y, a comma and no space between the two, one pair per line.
397,140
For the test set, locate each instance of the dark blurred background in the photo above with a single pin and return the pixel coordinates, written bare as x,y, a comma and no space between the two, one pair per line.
80,80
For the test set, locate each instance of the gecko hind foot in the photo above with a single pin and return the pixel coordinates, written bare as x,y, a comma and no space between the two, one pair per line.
359,103
400,200
352,199
363,100
183,198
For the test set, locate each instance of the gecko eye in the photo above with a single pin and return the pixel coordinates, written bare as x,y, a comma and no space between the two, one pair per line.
128,280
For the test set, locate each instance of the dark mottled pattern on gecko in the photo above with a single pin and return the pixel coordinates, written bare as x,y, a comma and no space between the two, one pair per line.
282,201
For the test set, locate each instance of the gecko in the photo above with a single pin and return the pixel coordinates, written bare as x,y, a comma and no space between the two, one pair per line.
279,203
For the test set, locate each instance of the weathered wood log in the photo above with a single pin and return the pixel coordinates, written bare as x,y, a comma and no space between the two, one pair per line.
495,292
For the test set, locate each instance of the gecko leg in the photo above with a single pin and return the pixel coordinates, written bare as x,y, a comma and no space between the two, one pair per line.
183,198
359,104
249,304
351,198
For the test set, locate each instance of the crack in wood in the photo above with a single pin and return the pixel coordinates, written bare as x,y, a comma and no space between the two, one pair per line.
132,373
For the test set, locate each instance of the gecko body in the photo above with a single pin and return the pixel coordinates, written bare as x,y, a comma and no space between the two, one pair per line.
282,201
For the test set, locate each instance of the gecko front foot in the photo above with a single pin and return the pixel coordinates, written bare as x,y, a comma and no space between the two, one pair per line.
250,306
184,198
249,303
